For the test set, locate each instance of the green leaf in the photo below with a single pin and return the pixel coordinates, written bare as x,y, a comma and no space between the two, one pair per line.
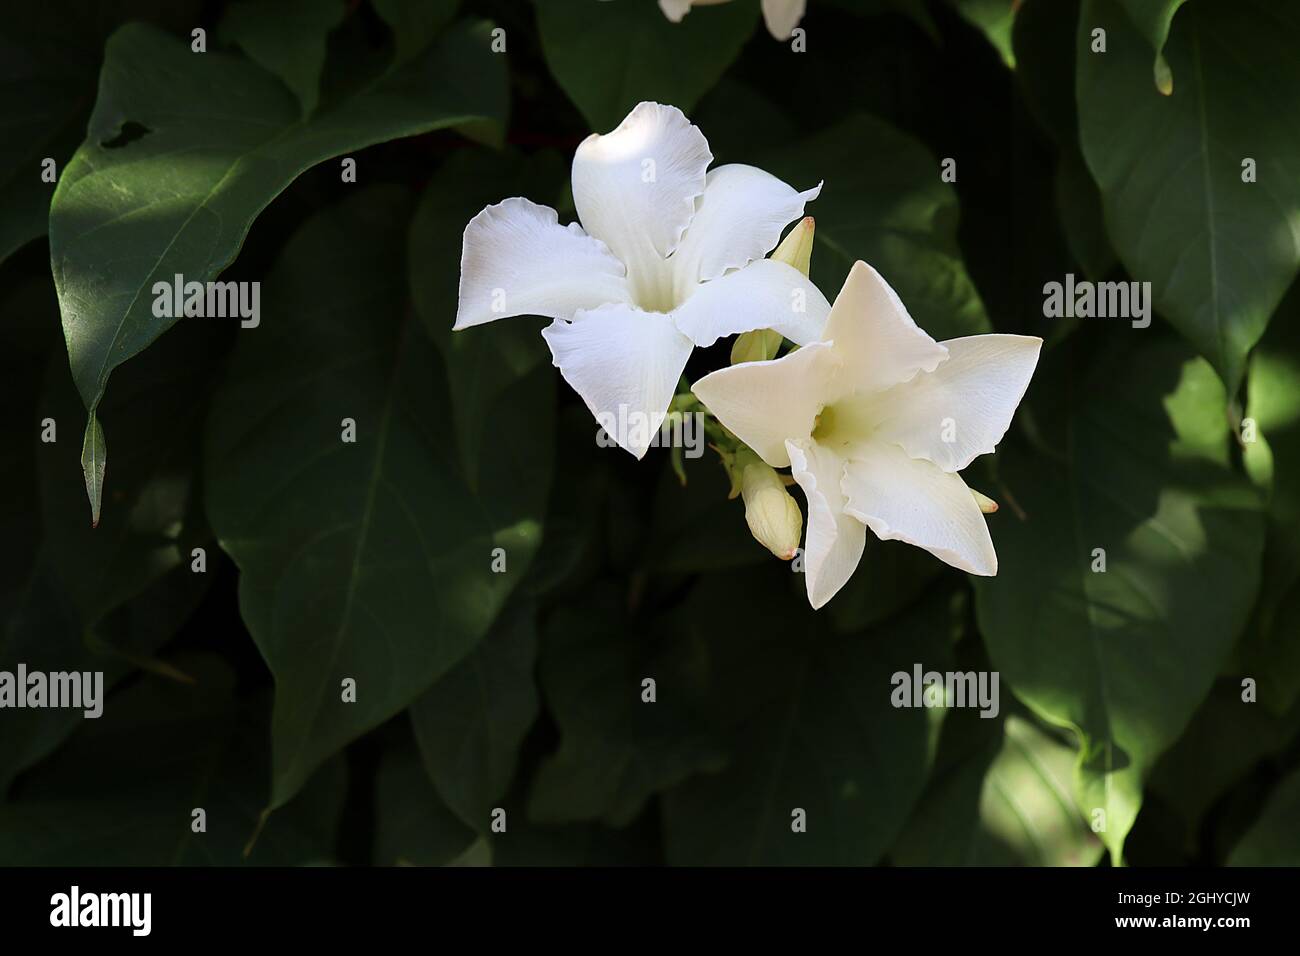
1153,18
610,56
993,18
884,202
370,559
93,453
470,725
1274,839
161,750
286,38
51,53
183,152
1000,796
616,749
413,826
1137,468
809,717
1219,252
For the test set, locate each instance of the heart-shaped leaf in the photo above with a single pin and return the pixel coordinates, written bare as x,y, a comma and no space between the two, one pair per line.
185,149
334,481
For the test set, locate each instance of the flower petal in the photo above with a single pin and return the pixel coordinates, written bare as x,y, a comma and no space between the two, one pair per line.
739,219
782,16
910,499
835,540
518,260
969,399
764,295
880,344
625,364
635,188
675,10
766,403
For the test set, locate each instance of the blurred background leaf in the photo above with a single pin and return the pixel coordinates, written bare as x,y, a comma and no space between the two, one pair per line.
609,55
124,790
811,727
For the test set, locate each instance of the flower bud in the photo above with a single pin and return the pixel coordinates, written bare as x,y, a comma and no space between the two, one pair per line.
796,248
773,516
756,346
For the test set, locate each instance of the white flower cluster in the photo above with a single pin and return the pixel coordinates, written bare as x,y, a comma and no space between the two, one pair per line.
874,417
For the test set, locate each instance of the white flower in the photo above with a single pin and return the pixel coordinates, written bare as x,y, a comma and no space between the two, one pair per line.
781,16
670,258
875,422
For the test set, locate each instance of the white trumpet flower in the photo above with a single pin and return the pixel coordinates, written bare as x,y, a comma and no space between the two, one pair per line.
875,422
781,16
667,257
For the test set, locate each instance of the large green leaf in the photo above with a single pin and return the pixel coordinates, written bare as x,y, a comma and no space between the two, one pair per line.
609,56
369,560
1000,796
809,717
1140,470
1274,839
1219,252
184,150
884,202
470,724
124,790
1153,18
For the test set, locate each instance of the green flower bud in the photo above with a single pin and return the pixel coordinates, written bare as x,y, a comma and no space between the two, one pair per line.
796,248
756,346
772,514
